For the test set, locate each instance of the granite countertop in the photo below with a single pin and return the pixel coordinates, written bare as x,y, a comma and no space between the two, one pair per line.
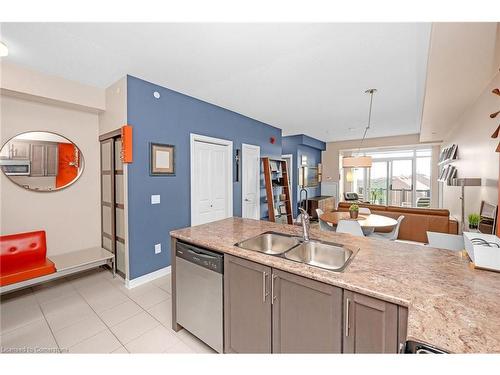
450,305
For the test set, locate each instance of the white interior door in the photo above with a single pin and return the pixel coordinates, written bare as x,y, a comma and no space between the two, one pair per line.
250,188
218,182
211,180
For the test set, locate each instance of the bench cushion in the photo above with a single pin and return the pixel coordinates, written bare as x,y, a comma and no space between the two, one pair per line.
27,272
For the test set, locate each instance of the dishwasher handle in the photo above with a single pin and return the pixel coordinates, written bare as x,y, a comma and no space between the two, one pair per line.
198,254
201,257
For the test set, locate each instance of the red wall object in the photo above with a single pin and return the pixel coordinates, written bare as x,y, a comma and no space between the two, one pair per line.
67,169
127,144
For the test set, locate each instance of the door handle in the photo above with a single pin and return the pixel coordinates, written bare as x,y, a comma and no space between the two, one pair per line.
273,297
347,317
264,289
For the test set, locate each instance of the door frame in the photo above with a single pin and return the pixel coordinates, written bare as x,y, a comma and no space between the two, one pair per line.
243,190
229,181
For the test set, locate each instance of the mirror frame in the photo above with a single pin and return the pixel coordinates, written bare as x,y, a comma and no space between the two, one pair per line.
82,158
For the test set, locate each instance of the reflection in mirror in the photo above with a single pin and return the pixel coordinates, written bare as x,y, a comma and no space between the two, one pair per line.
41,161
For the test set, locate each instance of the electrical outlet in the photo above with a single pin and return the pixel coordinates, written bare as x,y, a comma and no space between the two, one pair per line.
155,199
158,248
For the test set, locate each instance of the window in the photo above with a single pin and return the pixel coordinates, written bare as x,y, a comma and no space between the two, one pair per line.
358,182
423,178
397,177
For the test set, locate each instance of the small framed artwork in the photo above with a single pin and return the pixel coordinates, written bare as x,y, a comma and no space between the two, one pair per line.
161,159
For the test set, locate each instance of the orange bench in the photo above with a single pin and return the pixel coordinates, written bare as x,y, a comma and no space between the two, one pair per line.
23,256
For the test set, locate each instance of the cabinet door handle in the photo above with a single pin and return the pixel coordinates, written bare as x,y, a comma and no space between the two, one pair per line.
273,297
347,317
264,289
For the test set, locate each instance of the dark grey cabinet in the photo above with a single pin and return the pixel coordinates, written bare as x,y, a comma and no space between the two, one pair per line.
52,159
370,325
44,159
307,315
37,160
271,311
247,306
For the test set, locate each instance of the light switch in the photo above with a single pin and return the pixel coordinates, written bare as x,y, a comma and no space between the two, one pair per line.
155,199
158,248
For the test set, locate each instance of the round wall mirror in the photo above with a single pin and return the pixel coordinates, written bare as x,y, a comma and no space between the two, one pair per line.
41,161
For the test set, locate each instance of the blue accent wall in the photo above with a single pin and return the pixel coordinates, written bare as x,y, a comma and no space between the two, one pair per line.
299,145
171,119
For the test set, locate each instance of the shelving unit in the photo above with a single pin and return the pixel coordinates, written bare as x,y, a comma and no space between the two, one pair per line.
277,190
447,172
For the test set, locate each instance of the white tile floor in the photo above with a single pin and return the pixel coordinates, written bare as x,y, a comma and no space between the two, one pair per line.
93,313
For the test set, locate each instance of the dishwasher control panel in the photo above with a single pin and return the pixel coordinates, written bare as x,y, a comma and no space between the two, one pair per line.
202,257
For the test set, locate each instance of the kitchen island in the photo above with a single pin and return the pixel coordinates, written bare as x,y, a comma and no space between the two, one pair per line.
448,304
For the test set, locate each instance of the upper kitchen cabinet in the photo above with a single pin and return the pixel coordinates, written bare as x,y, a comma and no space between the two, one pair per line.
44,159
370,325
16,150
307,315
247,306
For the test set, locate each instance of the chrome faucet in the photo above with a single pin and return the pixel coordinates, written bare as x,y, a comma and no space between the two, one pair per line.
304,218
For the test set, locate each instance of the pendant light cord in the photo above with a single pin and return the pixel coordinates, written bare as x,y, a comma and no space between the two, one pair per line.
371,92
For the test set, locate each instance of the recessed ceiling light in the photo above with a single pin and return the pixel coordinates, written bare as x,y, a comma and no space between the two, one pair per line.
156,94
4,51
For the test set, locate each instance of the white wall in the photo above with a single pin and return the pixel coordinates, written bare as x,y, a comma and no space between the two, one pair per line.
30,84
115,115
71,217
476,153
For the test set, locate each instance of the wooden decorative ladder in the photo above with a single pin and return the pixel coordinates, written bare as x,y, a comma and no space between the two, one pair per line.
277,185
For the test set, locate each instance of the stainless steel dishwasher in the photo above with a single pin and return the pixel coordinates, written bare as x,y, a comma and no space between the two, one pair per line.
199,293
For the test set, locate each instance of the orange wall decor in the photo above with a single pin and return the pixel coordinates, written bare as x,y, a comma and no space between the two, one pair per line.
127,144
67,169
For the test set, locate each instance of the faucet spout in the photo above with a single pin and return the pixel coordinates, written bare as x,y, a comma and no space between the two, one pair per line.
305,223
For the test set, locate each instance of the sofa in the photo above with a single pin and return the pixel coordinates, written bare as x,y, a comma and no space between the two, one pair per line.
23,256
417,220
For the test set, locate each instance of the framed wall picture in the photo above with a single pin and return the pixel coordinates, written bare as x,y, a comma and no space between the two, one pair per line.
161,159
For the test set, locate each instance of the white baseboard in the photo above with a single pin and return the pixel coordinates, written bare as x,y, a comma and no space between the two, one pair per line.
148,277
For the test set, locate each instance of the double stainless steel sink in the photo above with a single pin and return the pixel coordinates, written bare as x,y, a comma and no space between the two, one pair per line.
331,256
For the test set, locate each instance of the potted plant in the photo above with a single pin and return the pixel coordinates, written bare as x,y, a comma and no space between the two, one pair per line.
354,211
474,221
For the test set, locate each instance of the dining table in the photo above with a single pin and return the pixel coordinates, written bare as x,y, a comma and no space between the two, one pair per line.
367,222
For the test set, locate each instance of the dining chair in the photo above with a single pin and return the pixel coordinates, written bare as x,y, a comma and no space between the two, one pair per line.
323,225
364,211
351,227
392,235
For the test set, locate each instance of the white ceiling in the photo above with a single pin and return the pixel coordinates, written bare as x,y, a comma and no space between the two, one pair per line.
303,78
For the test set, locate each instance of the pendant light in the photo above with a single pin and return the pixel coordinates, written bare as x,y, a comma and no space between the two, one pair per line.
361,161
